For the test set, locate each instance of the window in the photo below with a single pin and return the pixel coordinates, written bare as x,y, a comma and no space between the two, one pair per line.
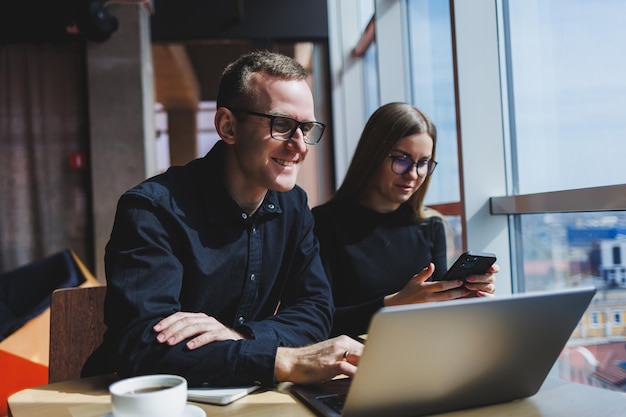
568,92
594,319
617,255
617,317
370,59
528,96
432,91
570,249
528,112
563,82
432,83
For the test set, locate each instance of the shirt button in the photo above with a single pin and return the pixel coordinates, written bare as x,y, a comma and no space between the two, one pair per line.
271,206
252,277
253,229
241,320
244,216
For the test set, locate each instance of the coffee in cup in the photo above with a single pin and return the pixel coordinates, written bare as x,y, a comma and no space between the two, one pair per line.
149,395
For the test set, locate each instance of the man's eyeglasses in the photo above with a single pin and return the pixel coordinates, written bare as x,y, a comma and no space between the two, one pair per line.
401,164
283,128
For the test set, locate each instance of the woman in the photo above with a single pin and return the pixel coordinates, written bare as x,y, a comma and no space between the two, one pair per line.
378,244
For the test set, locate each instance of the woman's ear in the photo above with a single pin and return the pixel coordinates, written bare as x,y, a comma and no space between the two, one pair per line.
225,124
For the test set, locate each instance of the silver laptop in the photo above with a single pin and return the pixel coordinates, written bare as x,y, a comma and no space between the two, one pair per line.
440,357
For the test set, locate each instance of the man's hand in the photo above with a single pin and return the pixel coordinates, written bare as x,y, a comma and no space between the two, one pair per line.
183,325
320,362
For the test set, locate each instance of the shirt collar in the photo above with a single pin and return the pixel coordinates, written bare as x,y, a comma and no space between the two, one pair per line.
220,206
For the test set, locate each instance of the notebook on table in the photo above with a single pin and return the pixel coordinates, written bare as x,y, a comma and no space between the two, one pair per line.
219,396
439,357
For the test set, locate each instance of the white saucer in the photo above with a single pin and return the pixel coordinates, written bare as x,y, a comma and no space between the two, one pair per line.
193,411
189,411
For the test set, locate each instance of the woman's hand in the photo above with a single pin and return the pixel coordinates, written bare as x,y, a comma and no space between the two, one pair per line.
418,290
483,285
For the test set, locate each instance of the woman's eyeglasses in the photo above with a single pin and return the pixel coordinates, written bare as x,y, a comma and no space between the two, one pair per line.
401,164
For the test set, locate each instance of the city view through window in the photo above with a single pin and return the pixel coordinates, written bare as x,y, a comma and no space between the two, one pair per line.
565,118
567,250
565,94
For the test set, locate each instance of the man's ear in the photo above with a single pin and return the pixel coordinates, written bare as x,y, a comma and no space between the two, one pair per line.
225,124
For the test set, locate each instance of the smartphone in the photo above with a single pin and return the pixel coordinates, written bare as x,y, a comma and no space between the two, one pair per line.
469,263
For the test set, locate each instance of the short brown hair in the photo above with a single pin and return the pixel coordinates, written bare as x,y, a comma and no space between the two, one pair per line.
234,91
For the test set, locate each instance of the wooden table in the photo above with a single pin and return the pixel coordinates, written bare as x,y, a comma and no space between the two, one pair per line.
89,397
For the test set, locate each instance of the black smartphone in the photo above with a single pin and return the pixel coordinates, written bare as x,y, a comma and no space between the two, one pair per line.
469,263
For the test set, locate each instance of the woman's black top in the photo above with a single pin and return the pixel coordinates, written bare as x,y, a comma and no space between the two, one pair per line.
368,255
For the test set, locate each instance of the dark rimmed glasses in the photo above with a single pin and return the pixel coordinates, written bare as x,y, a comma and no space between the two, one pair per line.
283,127
401,164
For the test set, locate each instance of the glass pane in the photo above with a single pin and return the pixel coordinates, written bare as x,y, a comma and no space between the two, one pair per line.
432,86
454,241
573,249
369,60
568,92
370,76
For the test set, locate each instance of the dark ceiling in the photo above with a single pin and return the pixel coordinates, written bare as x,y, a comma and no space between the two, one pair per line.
213,33
193,40
257,20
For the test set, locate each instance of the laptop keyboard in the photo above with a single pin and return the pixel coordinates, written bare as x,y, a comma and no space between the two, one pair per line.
334,401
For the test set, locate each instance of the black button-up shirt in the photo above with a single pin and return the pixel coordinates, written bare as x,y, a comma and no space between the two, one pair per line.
181,243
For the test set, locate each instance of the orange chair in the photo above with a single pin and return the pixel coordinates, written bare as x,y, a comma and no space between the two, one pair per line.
24,351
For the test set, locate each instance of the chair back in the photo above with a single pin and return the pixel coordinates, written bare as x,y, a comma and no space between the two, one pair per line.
76,329
25,291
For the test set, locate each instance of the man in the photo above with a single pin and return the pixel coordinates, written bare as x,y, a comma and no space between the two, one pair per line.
213,271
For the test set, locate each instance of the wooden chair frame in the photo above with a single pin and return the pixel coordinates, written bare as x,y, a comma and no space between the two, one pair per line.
76,329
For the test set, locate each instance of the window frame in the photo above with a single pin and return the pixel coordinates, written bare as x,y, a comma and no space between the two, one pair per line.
617,317
595,319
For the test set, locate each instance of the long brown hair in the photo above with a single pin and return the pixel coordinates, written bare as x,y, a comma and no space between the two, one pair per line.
385,127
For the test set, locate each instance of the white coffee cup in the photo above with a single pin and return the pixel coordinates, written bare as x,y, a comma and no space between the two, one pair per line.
149,395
